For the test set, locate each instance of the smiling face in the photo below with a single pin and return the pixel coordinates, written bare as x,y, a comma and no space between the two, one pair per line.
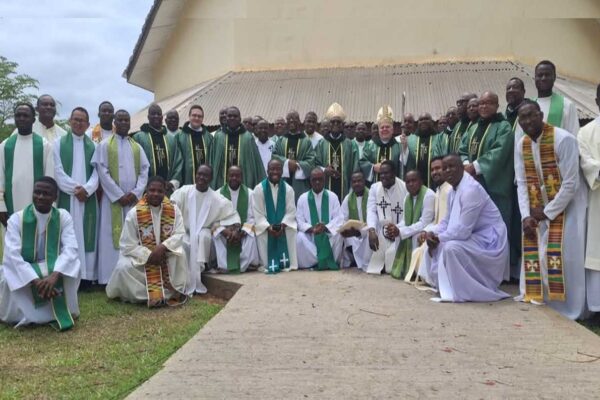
473,109
310,123
46,107
488,105
234,177
234,118
155,116
386,131
106,114
426,124
79,122
515,92
317,180
358,183
413,182
437,172
44,194
155,193
274,171
336,126
453,170
262,130
387,176
24,118
122,123
531,120
544,78
172,120
196,117
203,178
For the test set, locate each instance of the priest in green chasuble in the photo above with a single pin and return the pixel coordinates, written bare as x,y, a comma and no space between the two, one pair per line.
336,154
381,148
161,149
195,143
462,123
234,145
294,149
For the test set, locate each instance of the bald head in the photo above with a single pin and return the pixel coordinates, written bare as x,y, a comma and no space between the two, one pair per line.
488,105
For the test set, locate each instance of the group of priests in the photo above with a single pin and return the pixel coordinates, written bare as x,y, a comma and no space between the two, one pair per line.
456,209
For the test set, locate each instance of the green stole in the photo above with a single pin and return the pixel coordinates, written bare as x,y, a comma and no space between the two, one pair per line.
234,250
64,200
64,320
9,158
353,207
555,113
277,249
325,258
113,169
404,251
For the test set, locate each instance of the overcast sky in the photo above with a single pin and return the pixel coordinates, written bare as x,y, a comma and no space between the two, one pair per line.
76,49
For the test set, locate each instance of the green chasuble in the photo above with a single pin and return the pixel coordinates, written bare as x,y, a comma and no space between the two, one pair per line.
194,148
491,144
91,204
375,152
421,149
162,152
64,320
412,214
457,134
325,259
342,155
296,147
235,147
234,250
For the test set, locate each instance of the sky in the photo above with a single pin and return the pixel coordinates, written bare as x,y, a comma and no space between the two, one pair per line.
76,49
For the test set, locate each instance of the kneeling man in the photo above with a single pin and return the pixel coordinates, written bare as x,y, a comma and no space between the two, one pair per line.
319,218
40,275
152,264
469,248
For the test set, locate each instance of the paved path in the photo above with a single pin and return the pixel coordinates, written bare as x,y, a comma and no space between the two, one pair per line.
344,335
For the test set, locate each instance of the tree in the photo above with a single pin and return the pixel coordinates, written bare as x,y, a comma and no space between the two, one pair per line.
13,89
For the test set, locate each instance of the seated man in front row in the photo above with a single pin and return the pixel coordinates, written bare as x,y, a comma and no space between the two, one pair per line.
152,263
469,248
40,275
354,207
319,217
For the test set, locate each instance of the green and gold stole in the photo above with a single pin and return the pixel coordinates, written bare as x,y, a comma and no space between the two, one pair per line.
353,206
9,159
476,140
277,249
422,167
551,181
60,308
157,276
64,200
113,169
325,259
412,213
235,250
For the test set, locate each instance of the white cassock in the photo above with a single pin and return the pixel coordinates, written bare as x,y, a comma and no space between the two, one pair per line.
315,138
570,120
426,218
358,245
50,134
589,151
67,184
261,223
265,150
361,147
128,280
306,247
128,182
16,299
571,198
470,261
249,253
202,212
418,258
384,206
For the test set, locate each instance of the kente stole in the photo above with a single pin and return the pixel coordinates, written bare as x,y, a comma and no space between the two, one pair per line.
325,258
113,169
64,200
412,214
235,250
9,159
60,309
551,181
353,206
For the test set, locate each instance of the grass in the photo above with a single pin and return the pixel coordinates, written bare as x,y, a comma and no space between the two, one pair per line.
112,349
593,324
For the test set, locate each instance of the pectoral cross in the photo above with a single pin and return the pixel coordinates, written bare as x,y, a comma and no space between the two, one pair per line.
383,205
273,268
551,184
555,262
160,154
284,261
474,147
291,154
232,155
398,211
335,161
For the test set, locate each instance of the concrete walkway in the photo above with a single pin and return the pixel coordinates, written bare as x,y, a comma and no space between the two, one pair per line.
345,335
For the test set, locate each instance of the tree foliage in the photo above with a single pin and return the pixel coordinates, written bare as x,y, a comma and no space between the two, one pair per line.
14,88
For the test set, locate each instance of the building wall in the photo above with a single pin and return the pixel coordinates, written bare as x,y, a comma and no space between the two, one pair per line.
217,36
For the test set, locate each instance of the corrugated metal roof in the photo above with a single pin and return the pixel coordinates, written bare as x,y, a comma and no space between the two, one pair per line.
361,91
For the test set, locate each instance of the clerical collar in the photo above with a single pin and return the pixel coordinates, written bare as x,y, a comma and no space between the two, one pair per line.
232,190
187,128
149,129
298,135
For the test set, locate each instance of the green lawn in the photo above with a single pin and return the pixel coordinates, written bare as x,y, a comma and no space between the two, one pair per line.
593,324
112,349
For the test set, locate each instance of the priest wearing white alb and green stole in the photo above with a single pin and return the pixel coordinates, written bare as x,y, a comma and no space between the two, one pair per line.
558,110
40,273
384,211
275,221
356,241
552,199
589,151
78,180
204,212
319,218
123,172
236,245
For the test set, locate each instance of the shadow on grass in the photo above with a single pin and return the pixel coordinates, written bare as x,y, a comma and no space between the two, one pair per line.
113,348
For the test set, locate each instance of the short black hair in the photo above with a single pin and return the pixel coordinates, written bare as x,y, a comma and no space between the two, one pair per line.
547,62
83,110
43,95
105,102
120,110
207,166
157,178
528,102
388,163
415,171
519,80
436,158
26,104
49,180
195,107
